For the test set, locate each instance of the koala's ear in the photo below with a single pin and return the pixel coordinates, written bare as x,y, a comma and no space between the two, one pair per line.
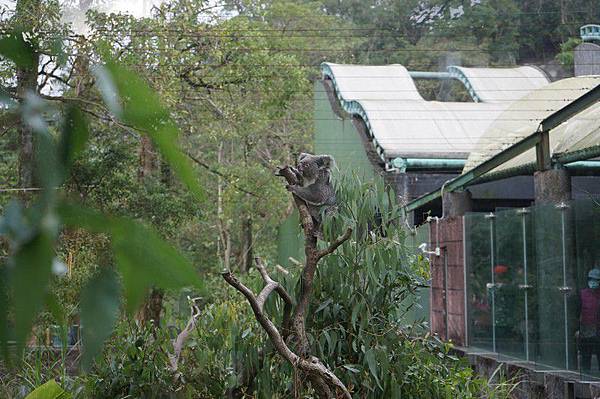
303,155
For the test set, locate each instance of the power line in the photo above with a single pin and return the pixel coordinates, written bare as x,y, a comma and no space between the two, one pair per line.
232,33
351,50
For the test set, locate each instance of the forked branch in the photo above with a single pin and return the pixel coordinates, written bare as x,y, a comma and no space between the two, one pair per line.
312,366
323,380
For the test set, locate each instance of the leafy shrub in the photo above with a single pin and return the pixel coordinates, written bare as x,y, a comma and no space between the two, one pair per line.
135,364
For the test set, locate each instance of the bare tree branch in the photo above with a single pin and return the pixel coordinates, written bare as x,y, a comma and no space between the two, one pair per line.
184,334
283,294
311,366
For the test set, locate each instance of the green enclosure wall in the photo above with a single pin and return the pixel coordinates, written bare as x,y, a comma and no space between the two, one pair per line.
338,137
334,136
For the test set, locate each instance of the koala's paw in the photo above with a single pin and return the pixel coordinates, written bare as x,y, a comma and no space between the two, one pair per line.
290,187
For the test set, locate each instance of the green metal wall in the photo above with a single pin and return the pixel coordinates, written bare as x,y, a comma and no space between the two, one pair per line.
338,137
334,136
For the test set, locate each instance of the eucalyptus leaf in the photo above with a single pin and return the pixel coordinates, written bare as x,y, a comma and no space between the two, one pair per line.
143,258
14,47
55,307
50,390
74,136
31,274
138,106
373,366
100,301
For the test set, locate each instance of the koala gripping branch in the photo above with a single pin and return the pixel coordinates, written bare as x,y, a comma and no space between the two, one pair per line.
323,380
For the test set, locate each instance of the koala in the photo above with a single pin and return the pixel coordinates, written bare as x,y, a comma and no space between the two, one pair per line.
314,185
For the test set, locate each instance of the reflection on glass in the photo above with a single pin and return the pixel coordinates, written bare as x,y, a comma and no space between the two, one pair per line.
512,298
588,340
587,307
533,284
479,289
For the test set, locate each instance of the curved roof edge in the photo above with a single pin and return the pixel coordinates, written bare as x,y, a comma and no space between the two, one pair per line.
354,108
499,84
399,86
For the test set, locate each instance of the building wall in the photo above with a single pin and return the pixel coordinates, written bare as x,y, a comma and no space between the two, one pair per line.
586,59
336,134
447,280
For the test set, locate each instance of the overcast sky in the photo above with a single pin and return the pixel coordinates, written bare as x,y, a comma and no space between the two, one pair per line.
135,7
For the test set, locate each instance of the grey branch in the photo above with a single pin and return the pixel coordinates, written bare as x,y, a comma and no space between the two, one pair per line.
311,366
184,334
271,285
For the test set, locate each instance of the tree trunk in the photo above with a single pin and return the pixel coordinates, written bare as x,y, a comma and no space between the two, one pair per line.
26,83
152,308
147,163
26,11
223,225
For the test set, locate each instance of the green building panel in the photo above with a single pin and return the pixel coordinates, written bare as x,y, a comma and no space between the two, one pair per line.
335,136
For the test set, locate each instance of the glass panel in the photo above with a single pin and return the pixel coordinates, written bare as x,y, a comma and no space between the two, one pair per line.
553,329
479,280
585,307
509,277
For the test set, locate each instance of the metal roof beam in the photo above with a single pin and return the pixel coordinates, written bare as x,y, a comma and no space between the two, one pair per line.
464,179
539,138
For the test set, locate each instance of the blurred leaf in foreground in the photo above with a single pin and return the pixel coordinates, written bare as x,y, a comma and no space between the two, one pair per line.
137,105
14,47
100,300
50,390
30,276
143,258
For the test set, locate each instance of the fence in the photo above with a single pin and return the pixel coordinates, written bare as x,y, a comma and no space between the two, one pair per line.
527,285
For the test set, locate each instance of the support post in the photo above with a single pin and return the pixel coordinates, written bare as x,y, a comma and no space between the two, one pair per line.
542,150
552,186
457,203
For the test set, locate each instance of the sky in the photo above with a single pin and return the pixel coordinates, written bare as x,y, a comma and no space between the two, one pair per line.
137,8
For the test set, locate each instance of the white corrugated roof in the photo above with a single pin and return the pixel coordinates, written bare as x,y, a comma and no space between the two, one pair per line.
402,123
374,82
503,84
579,132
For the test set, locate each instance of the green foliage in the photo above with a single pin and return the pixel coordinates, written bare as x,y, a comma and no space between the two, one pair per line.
565,57
50,390
99,312
362,295
143,258
134,365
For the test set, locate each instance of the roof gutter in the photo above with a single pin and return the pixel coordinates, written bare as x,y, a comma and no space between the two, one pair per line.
429,75
529,168
404,164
